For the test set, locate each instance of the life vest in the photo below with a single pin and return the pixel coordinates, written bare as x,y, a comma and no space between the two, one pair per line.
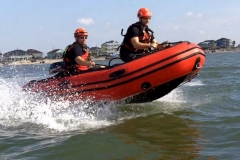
144,37
72,66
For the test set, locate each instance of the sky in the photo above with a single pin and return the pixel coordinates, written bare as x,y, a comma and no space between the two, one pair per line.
45,25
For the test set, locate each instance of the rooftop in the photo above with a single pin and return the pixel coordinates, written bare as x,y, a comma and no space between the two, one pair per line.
55,51
94,48
33,51
17,51
209,41
112,41
223,39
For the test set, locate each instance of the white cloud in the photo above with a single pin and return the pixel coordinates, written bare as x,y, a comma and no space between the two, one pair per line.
41,28
201,32
85,21
189,14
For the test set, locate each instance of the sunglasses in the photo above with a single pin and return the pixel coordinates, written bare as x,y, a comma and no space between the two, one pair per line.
83,37
149,18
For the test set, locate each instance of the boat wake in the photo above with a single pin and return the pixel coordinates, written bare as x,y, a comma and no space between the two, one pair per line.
20,109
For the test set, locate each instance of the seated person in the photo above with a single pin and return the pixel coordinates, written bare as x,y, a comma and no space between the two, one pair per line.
76,56
139,38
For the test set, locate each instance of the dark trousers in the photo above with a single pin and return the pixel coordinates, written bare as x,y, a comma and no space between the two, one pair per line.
126,55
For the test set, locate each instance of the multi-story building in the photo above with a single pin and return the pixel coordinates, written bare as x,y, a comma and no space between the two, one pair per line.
17,55
208,44
224,43
35,54
55,54
220,43
109,48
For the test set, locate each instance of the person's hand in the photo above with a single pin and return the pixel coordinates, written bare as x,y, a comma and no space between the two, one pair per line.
92,65
154,45
163,45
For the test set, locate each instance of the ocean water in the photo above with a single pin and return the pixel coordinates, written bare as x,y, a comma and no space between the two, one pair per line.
198,120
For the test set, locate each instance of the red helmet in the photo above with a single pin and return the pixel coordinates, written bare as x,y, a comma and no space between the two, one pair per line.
80,32
144,12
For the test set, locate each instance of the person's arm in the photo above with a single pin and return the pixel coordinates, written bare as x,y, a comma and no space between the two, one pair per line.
79,60
138,45
159,45
77,53
154,41
134,33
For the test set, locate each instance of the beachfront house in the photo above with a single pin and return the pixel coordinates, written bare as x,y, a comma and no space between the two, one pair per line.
109,48
95,51
224,43
55,54
17,55
35,53
208,44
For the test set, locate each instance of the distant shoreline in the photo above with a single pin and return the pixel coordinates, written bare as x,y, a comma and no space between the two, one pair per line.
44,61
50,61
222,51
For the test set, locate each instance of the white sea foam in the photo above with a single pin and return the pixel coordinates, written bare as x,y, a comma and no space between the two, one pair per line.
173,96
194,83
18,108
178,99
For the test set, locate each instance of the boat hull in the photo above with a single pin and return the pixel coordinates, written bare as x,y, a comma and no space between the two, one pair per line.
142,80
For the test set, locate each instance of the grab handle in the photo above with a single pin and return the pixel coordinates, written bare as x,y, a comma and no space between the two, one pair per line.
117,73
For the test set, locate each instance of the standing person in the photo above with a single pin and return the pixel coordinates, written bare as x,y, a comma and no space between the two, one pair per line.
139,38
76,56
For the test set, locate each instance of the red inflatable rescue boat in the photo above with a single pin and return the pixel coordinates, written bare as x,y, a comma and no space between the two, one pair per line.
144,79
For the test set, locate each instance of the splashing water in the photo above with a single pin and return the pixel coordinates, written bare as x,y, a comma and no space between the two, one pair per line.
19,108
181,98
195,83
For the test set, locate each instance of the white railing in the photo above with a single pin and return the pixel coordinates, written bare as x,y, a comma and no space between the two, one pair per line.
18,57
